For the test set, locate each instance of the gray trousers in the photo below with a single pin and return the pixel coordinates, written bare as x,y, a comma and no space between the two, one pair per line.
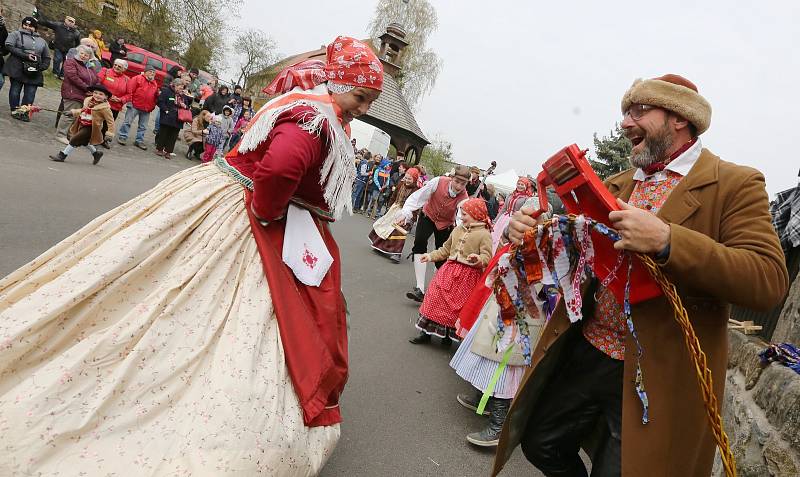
65,122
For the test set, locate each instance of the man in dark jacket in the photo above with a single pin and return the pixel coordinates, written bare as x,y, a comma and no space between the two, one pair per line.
29,57
66,36
3,52
218,100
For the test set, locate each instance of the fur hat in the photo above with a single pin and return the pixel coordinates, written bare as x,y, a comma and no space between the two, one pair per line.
674,93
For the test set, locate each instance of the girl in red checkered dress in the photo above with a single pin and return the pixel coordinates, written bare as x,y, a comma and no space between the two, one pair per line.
467,252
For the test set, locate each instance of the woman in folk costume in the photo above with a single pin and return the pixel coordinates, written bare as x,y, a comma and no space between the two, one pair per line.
148,343
521,195
467,252
384,237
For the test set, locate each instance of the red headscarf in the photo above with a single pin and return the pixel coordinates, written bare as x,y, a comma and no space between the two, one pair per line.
476,208
413,173
348,62
517,195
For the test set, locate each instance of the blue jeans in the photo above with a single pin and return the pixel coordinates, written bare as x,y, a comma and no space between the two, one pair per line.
130,113
358,194
17,89
2,81
58,63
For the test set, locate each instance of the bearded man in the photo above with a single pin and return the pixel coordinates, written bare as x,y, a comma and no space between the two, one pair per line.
707,224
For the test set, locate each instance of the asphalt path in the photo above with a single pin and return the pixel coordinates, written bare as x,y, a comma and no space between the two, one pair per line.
400,412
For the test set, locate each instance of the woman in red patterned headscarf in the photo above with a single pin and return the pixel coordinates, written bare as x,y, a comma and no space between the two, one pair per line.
523,194
173,347
466,252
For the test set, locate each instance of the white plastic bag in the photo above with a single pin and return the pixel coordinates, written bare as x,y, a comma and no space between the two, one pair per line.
304,251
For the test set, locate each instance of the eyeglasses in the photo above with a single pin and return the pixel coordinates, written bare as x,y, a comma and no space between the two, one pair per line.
636,111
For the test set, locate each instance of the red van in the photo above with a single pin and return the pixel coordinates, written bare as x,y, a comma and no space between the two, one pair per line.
138,58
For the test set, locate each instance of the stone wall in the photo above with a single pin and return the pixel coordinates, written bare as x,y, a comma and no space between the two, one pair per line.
788,328
761,412
14,11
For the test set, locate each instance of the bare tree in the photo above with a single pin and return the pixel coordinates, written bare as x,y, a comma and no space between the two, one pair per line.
420,64
255,51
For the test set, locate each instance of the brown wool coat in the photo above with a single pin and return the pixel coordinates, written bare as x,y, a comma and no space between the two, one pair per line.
100,113
723,250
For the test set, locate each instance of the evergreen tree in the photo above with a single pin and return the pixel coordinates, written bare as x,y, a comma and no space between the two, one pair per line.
612,153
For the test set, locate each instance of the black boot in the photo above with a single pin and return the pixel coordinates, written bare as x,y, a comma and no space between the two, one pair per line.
471,401
415,294
60,157
447,342
490,436
97,155
423,338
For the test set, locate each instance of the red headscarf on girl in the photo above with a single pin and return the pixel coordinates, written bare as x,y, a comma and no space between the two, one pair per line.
476,208
349,63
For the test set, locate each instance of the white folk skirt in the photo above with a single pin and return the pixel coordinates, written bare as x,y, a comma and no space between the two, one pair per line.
146,344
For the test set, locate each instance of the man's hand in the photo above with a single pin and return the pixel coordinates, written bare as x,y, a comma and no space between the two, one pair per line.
521,222
640,230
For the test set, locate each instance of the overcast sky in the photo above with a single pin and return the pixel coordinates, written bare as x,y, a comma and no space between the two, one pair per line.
522,79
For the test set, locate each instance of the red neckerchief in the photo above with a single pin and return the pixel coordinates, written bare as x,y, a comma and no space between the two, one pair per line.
659,166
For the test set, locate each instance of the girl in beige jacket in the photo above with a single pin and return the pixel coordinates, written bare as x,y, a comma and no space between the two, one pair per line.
467,252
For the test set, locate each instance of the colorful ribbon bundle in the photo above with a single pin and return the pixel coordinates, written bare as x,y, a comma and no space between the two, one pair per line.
557,255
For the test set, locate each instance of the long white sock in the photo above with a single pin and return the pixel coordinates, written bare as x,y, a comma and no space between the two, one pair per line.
68,150
419,271
91,148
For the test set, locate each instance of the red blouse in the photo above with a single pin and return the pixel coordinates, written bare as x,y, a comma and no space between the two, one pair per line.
286,165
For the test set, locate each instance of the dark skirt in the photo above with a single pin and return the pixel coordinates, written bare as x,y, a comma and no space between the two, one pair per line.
391,246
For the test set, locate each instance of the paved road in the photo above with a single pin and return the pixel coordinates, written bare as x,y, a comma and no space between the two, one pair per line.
400,412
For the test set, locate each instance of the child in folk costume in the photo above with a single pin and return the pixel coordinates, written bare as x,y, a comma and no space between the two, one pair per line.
497,345
87,127
467,252
518,199
384,236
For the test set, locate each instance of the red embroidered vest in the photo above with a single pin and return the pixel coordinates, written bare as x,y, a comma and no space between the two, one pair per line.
441,208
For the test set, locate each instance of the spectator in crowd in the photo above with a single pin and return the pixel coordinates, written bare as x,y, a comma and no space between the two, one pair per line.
492,204
241,125
143,92
218,100
227,124
118,50
116,82
362,177
75,87
3,51
97,36
29,57
215,138
66,36
206,91
92,63
194,86
236,98
245,105
423,174
194,134
170,102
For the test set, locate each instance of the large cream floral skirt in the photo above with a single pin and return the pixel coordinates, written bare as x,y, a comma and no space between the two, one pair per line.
146,344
